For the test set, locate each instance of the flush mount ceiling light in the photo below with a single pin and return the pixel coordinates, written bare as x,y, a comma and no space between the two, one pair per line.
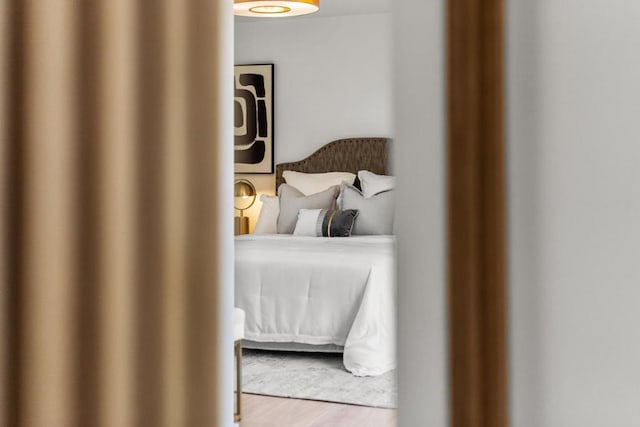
275,8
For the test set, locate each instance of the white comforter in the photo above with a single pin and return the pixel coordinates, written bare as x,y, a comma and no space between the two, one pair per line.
316,290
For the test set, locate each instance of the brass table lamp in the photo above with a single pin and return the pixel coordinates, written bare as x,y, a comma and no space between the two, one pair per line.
245,196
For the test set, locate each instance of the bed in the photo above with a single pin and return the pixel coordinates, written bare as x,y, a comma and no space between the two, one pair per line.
319,293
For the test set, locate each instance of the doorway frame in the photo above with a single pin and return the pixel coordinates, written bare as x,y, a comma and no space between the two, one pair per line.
475,217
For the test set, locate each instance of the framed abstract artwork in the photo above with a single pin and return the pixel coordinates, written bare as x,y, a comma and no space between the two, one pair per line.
253,117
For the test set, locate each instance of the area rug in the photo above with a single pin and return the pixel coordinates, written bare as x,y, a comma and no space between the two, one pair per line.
314,376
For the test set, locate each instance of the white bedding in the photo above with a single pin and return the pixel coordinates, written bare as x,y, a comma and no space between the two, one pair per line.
317,290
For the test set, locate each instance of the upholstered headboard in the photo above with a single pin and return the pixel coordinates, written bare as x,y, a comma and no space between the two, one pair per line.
342,155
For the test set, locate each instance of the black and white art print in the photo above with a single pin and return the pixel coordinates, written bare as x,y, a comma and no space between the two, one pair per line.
253,115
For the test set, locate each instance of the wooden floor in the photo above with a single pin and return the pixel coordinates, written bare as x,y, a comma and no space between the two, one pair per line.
267,411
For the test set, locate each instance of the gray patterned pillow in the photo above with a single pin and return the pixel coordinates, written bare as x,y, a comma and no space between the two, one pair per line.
375,214
292,200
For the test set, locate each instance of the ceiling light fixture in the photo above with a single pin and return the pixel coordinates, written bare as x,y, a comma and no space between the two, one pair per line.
275,8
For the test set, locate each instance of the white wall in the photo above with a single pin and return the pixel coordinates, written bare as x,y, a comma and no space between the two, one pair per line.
332,80
574,200
420,215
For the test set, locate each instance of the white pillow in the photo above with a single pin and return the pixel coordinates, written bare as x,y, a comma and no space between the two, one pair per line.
373,184
307,222
268,218
375,214
312,183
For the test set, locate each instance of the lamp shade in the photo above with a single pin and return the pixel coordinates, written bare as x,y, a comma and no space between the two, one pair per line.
244,193
275,8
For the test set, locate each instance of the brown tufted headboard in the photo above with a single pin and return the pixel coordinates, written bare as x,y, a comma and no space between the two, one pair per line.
342,155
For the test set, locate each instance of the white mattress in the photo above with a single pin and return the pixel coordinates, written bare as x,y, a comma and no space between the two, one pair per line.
314,290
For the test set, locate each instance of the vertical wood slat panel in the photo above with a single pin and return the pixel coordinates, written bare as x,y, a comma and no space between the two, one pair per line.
175,216
494,218
88,215
13,70
117,158
464,272
201,236
47,183
5,288
116,313
477,248
149,195
210,269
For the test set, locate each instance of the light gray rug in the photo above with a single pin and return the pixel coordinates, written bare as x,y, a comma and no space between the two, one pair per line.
314,376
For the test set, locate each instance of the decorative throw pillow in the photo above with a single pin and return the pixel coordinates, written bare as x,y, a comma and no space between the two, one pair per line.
325,223
312,183
268,219
375,214
372,184
292,200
